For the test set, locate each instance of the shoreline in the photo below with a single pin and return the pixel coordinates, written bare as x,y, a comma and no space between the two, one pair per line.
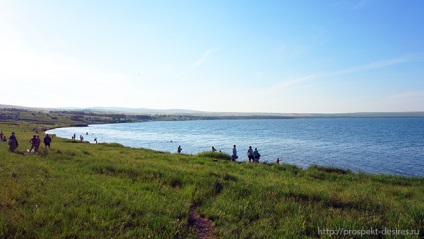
304,167
55,120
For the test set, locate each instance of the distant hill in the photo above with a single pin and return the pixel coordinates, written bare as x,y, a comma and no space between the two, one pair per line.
2,106
142,111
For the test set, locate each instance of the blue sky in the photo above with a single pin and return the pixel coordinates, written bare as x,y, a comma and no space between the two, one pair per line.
221,55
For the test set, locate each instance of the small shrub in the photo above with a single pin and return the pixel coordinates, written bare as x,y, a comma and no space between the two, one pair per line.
176,182
214,155
217,187
331,169
113,145
393,180
229,177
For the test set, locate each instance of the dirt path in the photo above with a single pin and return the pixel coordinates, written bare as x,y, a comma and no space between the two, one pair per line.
202,226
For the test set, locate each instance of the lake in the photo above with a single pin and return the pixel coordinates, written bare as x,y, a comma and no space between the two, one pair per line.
371,145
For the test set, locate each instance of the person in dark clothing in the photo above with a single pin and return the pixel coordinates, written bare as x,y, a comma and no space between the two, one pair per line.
256,155
13,142
250,154
33,142
234,157
47,140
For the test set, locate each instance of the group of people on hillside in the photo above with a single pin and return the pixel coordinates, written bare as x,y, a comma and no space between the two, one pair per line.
3,137
74,137
13,141
252,155
35,142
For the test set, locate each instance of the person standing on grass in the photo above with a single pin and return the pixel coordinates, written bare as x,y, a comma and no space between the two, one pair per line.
256,155
250,154
234,156
33,142
38,143
47,140
13,142
179,149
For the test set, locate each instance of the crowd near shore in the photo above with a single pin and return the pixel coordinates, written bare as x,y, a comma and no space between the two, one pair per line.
252,155
35,142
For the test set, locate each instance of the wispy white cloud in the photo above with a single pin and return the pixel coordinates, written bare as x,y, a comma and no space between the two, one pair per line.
316,78
199,62
293,82
283,84
205,56
374,65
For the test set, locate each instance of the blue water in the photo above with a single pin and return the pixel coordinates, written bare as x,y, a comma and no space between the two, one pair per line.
370,145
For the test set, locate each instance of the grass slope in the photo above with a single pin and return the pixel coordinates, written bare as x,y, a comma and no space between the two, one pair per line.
81,190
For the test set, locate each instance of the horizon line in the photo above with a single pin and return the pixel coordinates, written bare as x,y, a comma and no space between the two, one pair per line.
181,110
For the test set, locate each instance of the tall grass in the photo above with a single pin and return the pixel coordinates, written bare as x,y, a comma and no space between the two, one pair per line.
214,155
81,190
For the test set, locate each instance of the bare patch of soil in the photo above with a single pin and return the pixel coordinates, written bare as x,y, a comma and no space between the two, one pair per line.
202,226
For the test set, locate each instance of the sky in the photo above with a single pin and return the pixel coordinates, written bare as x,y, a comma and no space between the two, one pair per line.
300,56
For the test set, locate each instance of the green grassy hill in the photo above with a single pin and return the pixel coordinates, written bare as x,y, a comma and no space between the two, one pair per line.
82,190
